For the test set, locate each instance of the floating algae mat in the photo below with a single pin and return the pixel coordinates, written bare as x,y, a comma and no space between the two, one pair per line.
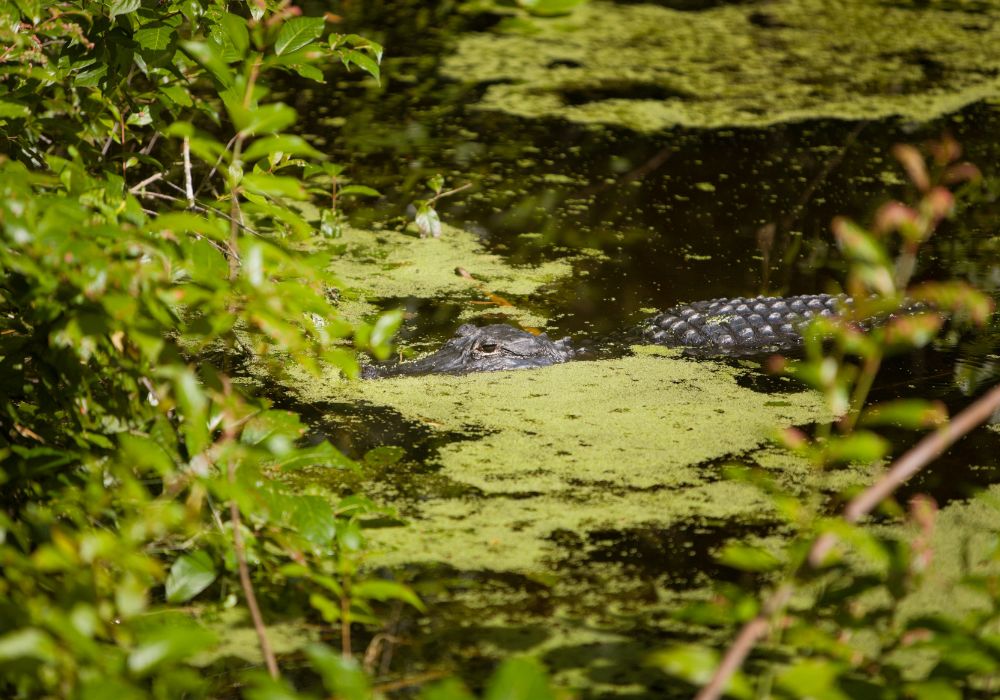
392,264
581,446
745,64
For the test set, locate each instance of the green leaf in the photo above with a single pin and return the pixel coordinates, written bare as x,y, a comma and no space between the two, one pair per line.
359,190
747,558
27,643
342,677
519,678
313,518
387,590
174,640
141,451
935,689
208,55
194,406
155,37
915,414
297,32
183,222
124,7
449,689
308,72
857,243
32,9
362,61
385,328
860,446
812,678
12,110
321,455
274,185
177,95
264,119
695,664
284,143
189,576
205,262
550,7
235,28
911,331
270,424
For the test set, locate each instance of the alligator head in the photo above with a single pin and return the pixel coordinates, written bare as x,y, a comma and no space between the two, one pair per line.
482,349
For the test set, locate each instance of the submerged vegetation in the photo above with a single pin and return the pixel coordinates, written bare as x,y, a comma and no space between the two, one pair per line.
197,499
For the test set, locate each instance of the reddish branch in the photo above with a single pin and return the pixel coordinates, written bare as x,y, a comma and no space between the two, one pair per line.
902,469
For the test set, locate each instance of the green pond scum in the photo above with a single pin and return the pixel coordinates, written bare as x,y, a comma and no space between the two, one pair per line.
371,266
648,68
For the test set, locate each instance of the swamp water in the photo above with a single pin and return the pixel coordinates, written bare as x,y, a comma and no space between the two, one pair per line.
623,159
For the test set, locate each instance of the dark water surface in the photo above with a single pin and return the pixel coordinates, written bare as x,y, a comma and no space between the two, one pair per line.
680,215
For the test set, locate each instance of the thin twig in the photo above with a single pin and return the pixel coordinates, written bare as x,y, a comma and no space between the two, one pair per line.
902,469
744,643
215,167
924,452
188,188
247,584
409,682
197,207
149,180
442,195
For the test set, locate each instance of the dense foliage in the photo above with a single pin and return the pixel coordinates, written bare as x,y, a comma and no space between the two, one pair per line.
836,606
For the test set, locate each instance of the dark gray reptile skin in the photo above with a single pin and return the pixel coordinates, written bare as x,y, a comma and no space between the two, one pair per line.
740,326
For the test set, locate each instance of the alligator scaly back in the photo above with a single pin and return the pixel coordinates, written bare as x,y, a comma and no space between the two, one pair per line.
740,326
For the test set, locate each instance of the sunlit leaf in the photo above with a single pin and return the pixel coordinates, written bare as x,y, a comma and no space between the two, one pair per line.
297,32
363,61
812,678
913,162
171,641
124,7
695,664
190,575
265,119
450,689
747,558
519,678
343,677
13,110
359,190
382,332
857,243
914,414
321,455
274,185
210,57
860,446
27,643
155,37
387,590
912,330
286,143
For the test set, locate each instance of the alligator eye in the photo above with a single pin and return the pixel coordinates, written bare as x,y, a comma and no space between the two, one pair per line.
488,348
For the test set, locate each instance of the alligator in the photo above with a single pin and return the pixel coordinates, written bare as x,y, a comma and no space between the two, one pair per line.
719,327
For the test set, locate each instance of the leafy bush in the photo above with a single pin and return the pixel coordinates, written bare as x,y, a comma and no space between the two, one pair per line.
835,614
152,220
